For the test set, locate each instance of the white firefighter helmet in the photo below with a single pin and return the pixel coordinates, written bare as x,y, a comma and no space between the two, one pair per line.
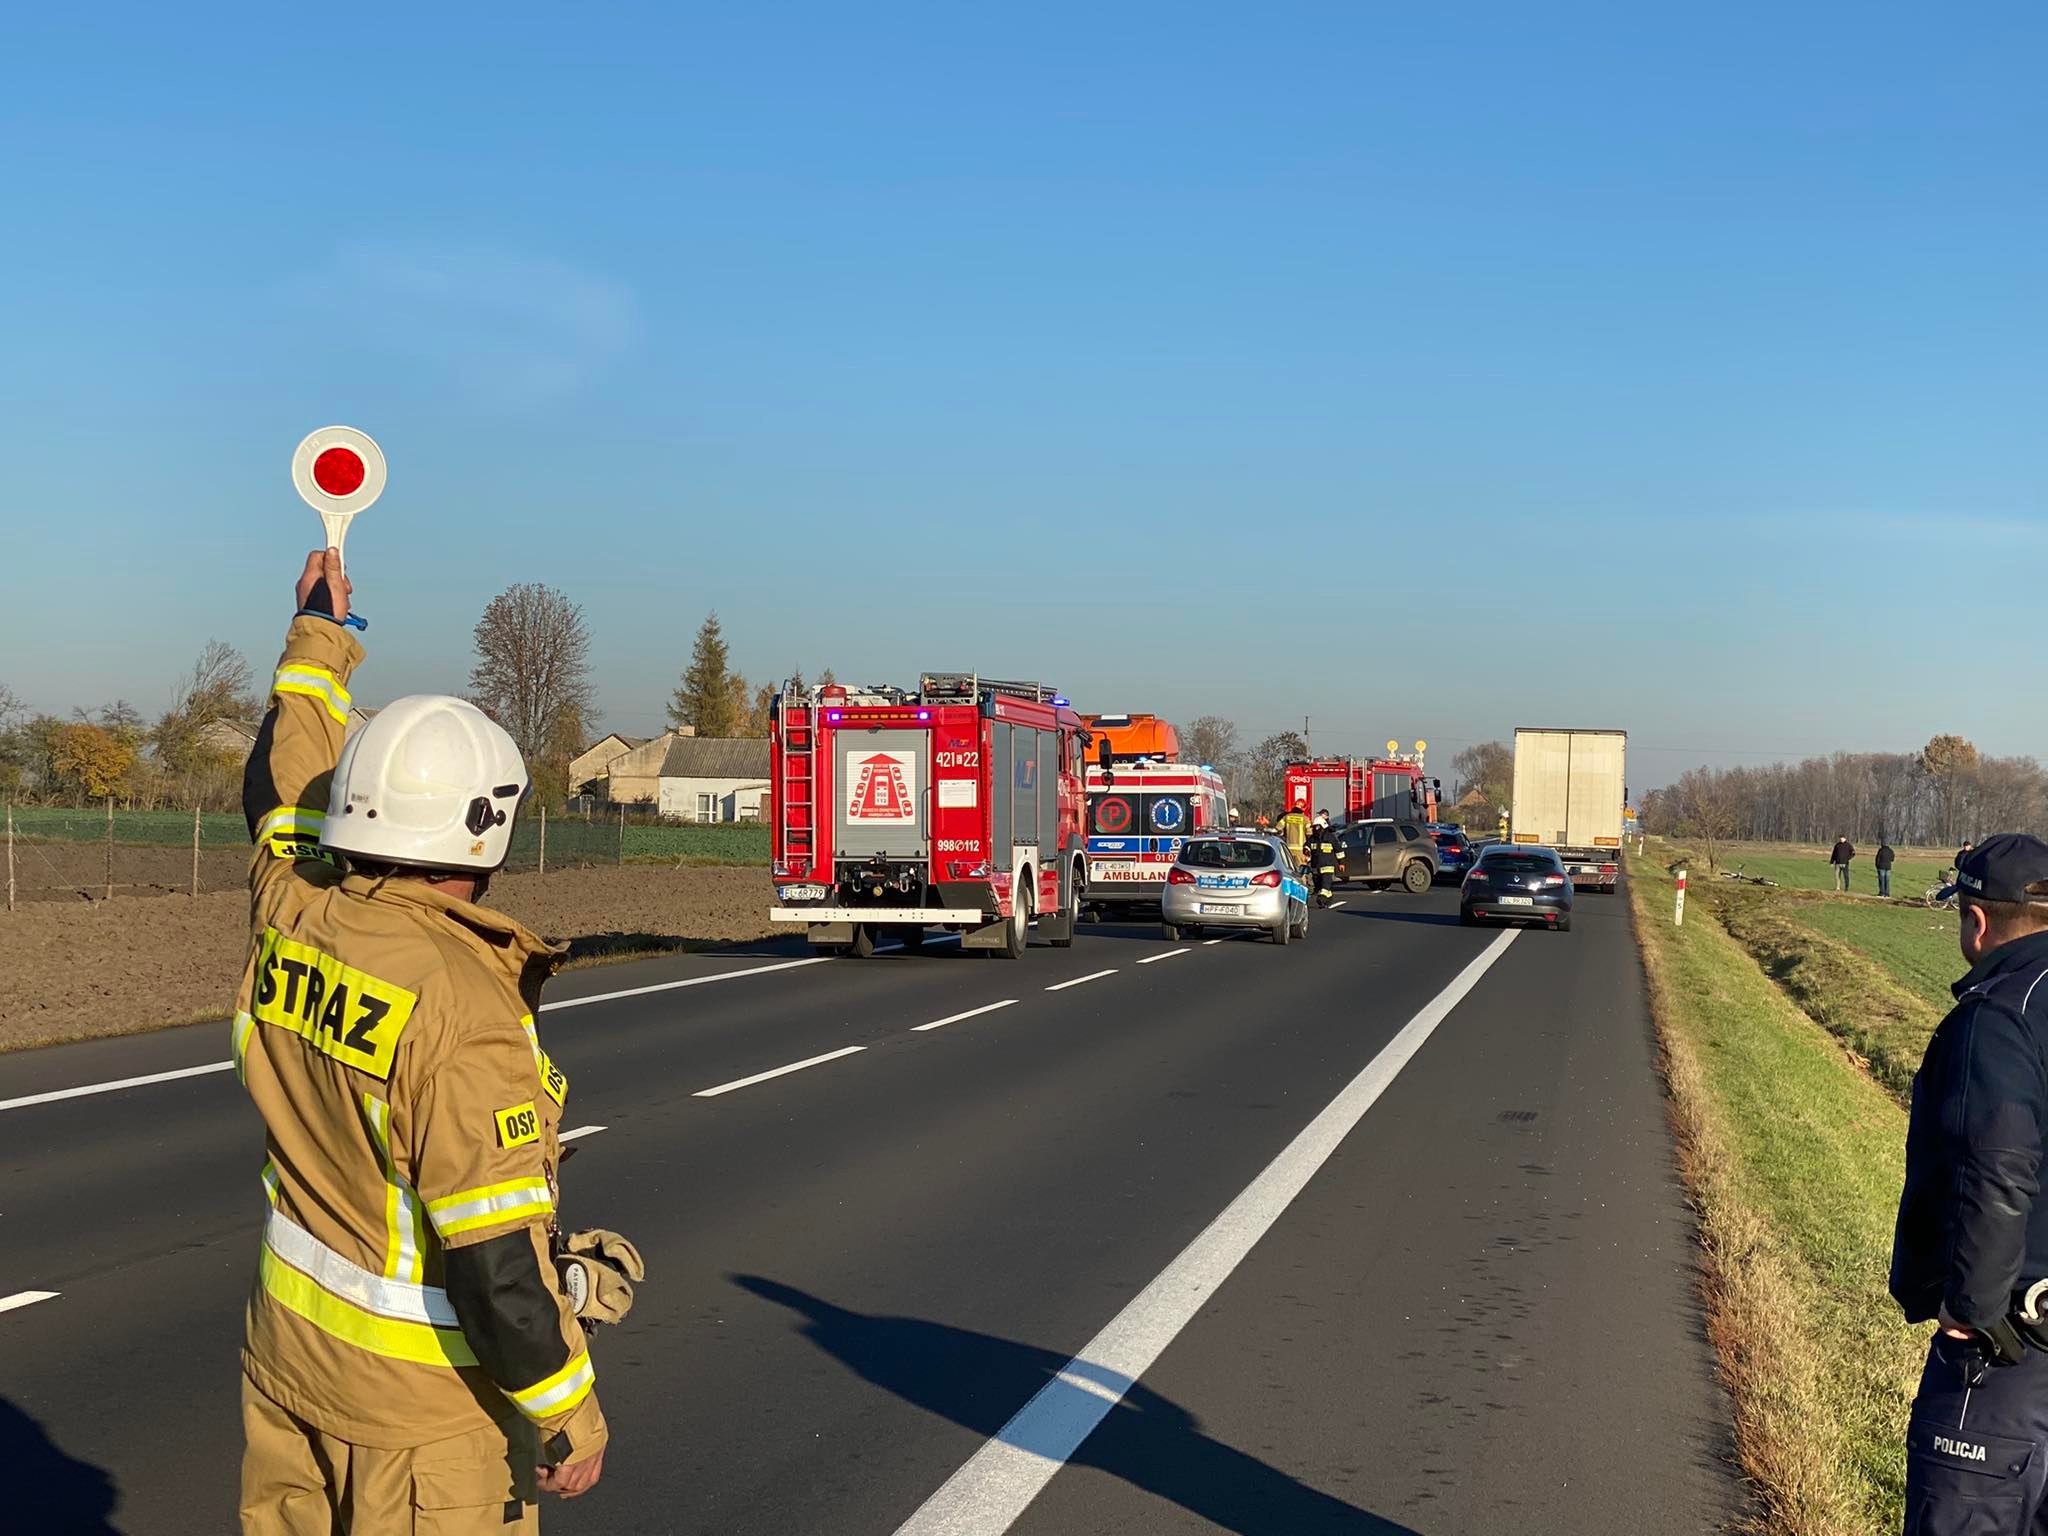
431,782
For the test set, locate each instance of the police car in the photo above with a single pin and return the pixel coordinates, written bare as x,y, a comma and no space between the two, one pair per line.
1235,880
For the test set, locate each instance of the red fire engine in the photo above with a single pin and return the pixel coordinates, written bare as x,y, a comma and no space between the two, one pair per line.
955,805
1351,789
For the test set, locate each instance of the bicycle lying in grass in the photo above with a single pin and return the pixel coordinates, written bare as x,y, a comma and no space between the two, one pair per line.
1737,874
1942,898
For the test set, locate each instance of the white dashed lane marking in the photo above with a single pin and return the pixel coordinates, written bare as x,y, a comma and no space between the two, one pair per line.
1061,986
955,1018
762,1077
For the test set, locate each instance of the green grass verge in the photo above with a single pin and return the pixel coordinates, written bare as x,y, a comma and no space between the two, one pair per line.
1916,946
138,829
1807,868
1793,1158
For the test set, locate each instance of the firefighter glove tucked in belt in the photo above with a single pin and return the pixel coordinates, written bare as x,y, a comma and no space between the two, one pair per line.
599,1270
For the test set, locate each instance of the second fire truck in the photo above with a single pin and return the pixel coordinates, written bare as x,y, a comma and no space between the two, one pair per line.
954,805
1351,789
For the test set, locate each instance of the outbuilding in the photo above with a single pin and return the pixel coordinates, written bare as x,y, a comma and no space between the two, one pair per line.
709,779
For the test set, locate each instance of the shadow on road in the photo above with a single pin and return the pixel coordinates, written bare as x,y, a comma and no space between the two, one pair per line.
978,1381
49,1492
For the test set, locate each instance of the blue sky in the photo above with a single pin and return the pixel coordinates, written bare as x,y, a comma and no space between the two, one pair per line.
1689,366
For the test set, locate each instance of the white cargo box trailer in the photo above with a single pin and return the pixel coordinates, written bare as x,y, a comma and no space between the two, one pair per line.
1571,787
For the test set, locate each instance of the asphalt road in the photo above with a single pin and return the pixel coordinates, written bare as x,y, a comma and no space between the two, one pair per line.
1451,1289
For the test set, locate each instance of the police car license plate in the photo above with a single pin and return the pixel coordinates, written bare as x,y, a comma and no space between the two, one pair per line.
1518,901
1214,906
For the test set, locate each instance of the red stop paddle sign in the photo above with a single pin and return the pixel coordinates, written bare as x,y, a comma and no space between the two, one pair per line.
338,471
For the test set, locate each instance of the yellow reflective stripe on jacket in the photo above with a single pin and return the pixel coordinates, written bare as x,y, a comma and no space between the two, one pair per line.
292,821
557,1393
554,1082
270,1181
404,1232
513,1200
385,1317
314,683
239,1031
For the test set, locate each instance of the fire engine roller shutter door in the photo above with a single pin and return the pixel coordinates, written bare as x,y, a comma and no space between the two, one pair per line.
884,777
1001,769
1328,794
1024,779
1049,790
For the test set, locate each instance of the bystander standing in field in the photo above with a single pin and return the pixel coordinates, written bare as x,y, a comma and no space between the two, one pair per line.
1844,852
1963,853
1971,1249
1884,860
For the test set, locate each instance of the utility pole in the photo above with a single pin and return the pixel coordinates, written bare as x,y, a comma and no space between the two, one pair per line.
1306,750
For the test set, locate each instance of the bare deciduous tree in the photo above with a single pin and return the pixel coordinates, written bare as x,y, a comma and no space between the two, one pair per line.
1211,739
1707,811
532,675
1487,766
1863,795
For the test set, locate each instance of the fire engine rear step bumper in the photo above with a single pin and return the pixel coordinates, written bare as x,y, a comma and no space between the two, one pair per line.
921,915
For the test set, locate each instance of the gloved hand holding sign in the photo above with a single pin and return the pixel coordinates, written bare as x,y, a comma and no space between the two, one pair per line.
599,1269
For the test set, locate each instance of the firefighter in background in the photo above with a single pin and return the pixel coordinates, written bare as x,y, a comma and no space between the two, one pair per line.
416,1337
1293,830
1323,853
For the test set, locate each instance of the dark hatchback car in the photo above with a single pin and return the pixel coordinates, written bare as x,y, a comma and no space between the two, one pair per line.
1515,882
1454,851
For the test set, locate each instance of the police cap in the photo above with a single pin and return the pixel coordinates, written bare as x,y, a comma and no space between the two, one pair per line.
2012,866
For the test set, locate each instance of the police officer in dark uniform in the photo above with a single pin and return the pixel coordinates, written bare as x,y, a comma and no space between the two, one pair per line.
1322,847
1971,1248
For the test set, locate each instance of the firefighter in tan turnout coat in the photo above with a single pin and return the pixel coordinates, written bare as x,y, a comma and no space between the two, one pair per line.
414,1362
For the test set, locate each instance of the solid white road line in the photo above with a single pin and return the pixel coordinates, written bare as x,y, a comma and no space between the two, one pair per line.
955,1018
1061,986
581,1130
794,1066
24,1299
1153,959
1336,904
992,1489
125,1082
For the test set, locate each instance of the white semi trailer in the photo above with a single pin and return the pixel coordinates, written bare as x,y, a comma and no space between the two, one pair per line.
1571,787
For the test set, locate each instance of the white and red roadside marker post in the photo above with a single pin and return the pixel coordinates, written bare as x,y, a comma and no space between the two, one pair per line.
1678,919
338,471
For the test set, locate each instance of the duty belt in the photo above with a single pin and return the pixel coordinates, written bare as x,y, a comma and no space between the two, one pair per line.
2030,1318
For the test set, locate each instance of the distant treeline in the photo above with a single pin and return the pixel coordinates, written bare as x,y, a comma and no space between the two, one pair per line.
1942,795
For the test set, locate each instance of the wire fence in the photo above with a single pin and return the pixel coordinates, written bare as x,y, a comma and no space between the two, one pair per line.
94,853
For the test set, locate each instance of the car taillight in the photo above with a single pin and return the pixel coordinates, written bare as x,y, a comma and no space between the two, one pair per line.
1553,879
1270,879
1179,876
1478,874
1607,869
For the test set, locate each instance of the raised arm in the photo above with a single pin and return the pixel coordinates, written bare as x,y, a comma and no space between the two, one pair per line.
284,787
